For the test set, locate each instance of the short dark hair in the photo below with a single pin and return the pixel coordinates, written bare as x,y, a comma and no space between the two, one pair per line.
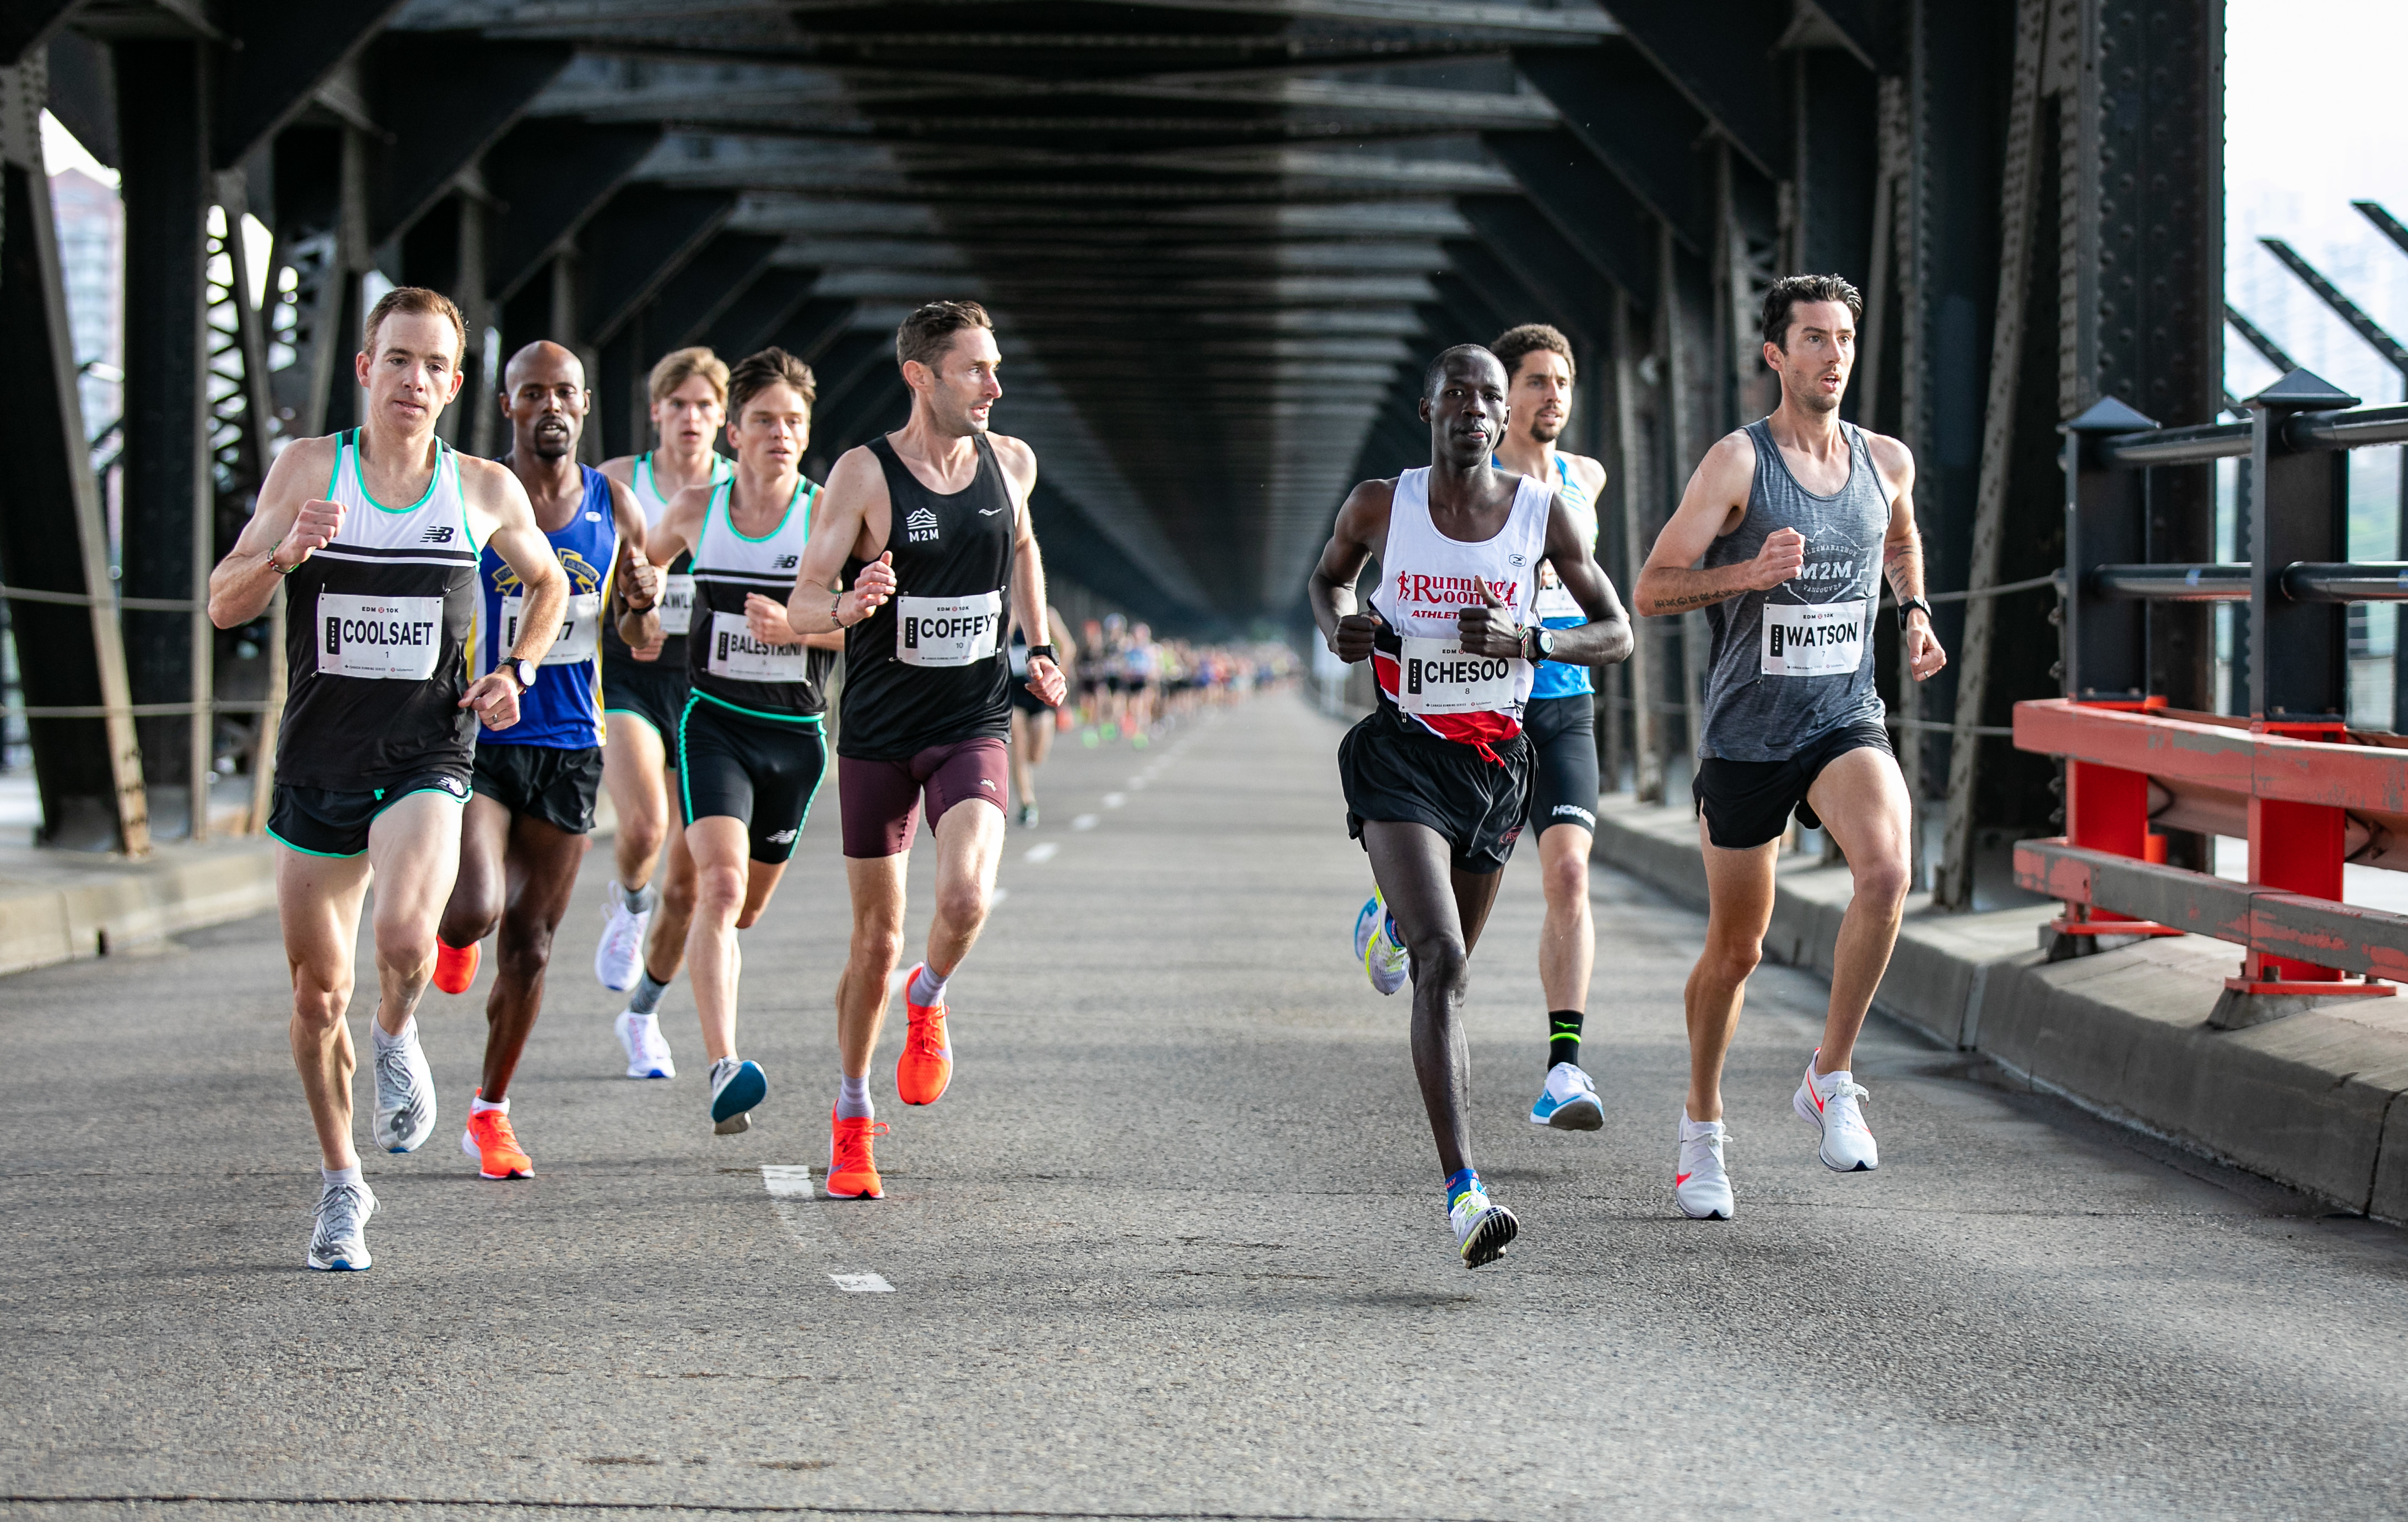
1436,370
757,373
1514,345
1790,289
419,302
927,332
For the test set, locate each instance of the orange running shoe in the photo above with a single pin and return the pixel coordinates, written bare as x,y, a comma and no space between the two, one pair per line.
852,1172
455,967
490,1140
925,1068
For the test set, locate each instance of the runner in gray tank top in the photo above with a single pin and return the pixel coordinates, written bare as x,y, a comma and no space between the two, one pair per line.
1778,538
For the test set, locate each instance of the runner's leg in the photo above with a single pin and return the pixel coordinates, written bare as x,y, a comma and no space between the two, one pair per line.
877,885
1440,912
1739,890
414,852
632,772
720,847
969,847
1024,765
1861,799
665,944
318,899
543,860
480,888
1568,940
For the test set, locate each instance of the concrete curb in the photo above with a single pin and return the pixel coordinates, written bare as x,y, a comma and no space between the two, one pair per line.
91,908
2307,1100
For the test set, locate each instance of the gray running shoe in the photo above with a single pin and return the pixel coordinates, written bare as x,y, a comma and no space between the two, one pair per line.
405,1109
339,1243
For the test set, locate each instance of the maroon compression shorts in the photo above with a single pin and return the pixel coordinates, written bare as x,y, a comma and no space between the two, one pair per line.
880,800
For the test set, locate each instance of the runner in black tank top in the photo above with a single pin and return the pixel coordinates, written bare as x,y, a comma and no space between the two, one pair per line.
927,528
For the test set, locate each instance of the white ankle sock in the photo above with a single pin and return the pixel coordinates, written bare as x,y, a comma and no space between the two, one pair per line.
385,1043
335,1177
926,986
479,1104
1692,1130
852,1099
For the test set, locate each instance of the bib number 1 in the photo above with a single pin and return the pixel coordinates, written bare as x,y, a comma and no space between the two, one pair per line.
1815,639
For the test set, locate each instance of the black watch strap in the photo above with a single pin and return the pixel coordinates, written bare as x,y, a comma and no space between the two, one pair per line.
1910,605
1045,651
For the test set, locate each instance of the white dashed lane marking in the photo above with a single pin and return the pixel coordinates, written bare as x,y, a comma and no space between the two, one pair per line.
1043,851
1114,800
797,1204
1085,821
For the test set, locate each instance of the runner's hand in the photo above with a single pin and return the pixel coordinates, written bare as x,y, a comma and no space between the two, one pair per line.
495,698
1045,680
870,591
1353,641
768,621
313,529
644,582
1488,629
1924,655
1783,556
651,651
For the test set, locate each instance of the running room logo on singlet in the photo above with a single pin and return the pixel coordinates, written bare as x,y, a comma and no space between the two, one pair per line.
580,622
921,528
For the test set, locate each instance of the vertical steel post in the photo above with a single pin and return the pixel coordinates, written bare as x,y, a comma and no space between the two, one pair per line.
1647,746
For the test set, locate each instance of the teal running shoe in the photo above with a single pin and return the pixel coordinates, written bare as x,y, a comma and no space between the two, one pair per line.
1379,947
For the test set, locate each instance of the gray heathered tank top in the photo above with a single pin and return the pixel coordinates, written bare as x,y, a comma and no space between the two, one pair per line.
1773,689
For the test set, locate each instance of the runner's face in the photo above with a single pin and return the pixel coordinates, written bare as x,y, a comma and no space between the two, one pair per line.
775,430
547,402
688,418
1820,355
1467,416
964,387
1542,395
414,373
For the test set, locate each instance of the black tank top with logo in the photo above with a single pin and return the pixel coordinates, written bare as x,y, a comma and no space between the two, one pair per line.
928,668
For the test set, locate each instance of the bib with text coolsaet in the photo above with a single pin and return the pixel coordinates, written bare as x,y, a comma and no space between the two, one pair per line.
947,631
1436,677
386,637
580,628
736,654
677,602
1814,639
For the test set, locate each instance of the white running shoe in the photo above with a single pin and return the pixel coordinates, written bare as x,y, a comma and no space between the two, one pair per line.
1830,1103
647,1050
1482,1227
736,1086
1699,1186
405,1085
338,1241
619,959
1569,1101
1376,946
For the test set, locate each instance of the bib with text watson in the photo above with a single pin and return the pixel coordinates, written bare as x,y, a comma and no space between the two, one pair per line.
1436,677
677,602
947,631
736,654
398,638
1815,639
580,628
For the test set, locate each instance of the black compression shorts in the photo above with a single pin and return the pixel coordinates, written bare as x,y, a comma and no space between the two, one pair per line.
764,771
1747,803
652,690
1563,749
1395,776
334,822
542,782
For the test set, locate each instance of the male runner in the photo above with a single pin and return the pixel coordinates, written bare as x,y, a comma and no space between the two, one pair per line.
1032,717
1560,720
524,831
380,717
1438,778
1794,517
929,525
644,689
750,753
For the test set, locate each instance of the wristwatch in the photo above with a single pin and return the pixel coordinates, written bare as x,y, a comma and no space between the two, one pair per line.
1910,605
1045,651
1538,643
520,670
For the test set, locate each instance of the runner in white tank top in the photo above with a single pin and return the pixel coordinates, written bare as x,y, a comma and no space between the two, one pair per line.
1437,779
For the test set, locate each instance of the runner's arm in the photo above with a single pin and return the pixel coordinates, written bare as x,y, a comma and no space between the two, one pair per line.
1672,582
526,551
1902,554
817,605
1606,637
286,526
1359,534
1028,600
636,577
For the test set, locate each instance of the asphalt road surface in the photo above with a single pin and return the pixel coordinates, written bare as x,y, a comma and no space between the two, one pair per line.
1172,1246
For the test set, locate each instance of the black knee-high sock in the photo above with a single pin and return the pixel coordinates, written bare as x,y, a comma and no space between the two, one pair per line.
1563,1036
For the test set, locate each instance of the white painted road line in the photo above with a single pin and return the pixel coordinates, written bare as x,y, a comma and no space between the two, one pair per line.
1114,800
1085,821
862,1284
1042,852
797,1204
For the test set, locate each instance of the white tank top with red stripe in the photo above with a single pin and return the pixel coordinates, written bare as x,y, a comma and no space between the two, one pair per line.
1426,581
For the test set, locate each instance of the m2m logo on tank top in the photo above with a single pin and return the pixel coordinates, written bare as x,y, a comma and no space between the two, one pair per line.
921,528
947,631
385,638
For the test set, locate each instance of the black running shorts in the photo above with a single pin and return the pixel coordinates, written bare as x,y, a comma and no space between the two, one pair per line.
549,783
1563,755
762,771
1747,803
1392,775
331,822
652,690
1027,701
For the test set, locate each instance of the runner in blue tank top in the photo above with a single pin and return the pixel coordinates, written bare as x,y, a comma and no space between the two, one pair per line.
1781,536
524,831
1560,720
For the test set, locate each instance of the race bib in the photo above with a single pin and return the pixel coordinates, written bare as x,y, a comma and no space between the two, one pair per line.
736,654
677,602
947,631
580,628
1554,603
1435,677
1814,639
395,637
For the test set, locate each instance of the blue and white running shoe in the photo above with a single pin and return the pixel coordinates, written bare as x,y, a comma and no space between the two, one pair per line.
1569,1101
1379,947
735,1088
1481,1226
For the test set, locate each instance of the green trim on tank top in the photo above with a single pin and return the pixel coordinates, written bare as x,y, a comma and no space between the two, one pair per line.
442,453
721,469
813,720
802,483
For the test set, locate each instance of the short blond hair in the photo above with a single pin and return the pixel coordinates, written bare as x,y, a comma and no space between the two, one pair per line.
679,365
417,300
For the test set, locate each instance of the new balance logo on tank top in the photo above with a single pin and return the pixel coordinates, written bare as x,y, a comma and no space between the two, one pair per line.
378,630
677,586
725,663
1427,580
1794,663
928,668
563,709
